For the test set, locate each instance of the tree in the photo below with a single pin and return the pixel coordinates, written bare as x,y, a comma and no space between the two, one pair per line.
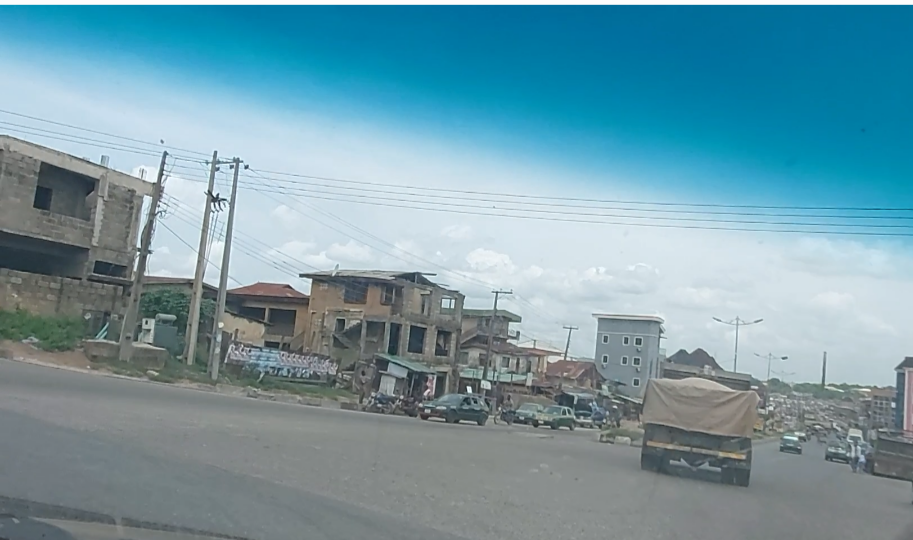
174,302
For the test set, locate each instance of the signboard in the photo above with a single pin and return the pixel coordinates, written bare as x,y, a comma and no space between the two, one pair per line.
278,363
908,400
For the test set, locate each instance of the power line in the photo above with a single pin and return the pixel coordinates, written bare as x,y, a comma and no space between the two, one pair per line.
121,137
605,201
488,195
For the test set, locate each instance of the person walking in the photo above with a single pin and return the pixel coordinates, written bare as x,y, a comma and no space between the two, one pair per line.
860,464
853,452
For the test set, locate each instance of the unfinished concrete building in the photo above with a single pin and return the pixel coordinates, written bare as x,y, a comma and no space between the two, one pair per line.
68,232
356,314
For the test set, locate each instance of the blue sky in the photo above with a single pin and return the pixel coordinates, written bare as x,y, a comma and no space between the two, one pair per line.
784,105
788,106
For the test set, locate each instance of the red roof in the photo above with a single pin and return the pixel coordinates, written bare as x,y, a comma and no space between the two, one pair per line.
269,290
568,369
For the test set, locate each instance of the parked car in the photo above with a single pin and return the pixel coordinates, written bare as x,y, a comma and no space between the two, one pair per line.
791,443
802,436
456,407
836,451
527,413
557,416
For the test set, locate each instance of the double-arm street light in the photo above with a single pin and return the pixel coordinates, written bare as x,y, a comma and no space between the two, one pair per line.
737,322
770,358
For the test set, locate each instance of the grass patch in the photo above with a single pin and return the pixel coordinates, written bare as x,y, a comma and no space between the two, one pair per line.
53,333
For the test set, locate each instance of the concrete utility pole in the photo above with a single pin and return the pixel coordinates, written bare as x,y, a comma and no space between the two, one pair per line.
567,347
196,297
215,351
136,290
737,322
824,370
491,336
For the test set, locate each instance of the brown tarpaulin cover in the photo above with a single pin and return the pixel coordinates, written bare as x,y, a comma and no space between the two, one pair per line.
696,404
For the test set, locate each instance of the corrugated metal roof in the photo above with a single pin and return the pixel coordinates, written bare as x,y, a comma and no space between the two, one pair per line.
512,317
270,290
411,365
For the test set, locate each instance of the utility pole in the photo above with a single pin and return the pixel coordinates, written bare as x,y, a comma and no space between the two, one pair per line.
196,298
215,351
824,370
491,335
136,290
567,346
737,322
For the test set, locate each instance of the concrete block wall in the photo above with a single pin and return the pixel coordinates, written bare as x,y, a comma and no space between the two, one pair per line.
18,181
49,295
118,234
107,222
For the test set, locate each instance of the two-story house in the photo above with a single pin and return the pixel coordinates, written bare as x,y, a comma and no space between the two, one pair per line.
68,232
628,351
357,314
477,326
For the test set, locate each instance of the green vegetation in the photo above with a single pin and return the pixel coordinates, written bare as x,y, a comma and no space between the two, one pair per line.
53,333
173,302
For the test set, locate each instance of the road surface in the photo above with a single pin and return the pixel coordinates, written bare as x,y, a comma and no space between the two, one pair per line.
267,470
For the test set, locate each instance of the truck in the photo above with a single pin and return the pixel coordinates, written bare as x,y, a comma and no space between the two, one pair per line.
700,422
892,454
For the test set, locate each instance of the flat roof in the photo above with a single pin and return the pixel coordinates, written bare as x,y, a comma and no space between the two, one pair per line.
620,317
512,317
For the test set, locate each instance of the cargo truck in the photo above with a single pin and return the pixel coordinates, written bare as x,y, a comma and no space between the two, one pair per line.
700,422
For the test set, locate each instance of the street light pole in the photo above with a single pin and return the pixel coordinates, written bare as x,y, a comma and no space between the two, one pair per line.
770,357
737,322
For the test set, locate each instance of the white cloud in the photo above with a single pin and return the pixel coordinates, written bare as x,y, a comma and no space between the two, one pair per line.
457,232
351,252
814,294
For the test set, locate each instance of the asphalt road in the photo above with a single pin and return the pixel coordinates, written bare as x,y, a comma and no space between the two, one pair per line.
270,470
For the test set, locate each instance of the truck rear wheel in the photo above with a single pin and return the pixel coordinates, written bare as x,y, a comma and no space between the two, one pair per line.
742,477
648,462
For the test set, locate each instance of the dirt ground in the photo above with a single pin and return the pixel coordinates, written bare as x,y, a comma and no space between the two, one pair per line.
72,359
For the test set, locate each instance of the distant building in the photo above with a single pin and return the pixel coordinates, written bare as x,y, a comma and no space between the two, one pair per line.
880,407
581,374
283,308
900,413
356,314
628,350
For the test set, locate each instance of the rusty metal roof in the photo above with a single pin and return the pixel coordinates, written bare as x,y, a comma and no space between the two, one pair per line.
270,290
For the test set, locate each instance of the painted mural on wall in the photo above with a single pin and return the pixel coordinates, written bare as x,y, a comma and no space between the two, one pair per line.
260,361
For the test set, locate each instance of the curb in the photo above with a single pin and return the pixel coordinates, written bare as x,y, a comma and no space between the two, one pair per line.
235,391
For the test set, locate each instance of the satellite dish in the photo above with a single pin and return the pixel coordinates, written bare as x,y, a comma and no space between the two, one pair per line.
335,270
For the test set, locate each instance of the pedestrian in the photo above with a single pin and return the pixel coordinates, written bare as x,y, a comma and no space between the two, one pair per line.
860,465
853,455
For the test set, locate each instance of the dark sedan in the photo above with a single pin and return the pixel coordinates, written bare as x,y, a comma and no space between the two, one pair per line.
791,443
528,413
836,452
455,407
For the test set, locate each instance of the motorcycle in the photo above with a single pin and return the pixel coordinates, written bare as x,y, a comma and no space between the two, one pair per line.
411,406
507,416
381,403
